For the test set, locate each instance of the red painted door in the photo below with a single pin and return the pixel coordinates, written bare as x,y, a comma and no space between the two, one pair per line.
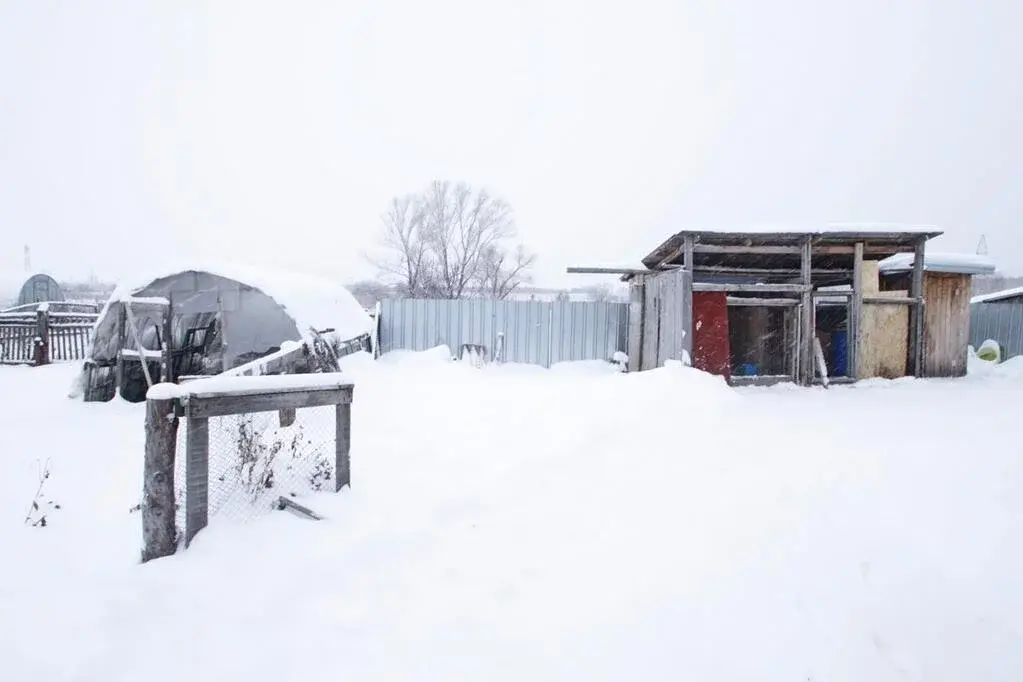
711,350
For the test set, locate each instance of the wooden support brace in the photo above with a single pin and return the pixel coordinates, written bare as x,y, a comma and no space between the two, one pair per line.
854,330
806,315
916,313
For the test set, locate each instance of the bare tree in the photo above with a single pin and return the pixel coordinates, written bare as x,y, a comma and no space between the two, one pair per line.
404,242
500,274
451,241
369,292
601,293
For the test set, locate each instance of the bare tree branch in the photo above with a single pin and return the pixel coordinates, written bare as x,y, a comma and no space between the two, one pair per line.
450,241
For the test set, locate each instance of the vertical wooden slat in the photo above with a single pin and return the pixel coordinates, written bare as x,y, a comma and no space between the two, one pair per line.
688,264
635,342
854,331
197,476
342,446
916,312
806,314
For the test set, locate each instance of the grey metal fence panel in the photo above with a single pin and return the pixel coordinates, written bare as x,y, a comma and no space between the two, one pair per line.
533,332
1002,322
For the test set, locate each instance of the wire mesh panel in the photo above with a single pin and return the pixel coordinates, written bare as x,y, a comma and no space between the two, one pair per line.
253,460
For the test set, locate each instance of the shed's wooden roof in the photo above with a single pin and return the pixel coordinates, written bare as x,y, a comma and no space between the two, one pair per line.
884,241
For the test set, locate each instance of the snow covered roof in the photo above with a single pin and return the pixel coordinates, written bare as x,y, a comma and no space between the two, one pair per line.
313,302
996,296
880,235
872,229
950,263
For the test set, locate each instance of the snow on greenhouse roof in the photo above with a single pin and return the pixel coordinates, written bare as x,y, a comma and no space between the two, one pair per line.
313,302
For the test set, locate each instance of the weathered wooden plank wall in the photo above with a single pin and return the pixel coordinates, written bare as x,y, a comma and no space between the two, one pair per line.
946,324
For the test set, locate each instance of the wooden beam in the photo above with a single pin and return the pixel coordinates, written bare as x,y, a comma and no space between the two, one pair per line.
762,302
768,272
752,288
766,380
890,300
806,335
676,253
583,270
916,313
875,250
273,401
854,329
743,249
287,504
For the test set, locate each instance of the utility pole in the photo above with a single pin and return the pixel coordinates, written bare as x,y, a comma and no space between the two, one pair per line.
982,245
28,259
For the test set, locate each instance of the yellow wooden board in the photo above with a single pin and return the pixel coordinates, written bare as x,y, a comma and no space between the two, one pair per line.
884,339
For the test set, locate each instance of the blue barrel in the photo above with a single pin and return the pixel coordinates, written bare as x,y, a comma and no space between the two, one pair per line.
840,353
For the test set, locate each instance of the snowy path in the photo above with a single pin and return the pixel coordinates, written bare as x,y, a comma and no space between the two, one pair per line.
545,525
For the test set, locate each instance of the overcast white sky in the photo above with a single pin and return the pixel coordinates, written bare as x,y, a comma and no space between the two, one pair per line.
276,133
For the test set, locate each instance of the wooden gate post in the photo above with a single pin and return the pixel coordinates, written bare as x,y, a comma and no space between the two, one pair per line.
41,348
159,535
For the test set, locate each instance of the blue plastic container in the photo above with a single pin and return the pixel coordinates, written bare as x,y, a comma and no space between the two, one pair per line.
749,369
840,353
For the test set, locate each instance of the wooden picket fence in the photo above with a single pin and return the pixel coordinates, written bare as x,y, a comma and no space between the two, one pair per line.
41,333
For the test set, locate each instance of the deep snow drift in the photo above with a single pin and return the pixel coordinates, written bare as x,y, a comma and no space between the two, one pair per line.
516,523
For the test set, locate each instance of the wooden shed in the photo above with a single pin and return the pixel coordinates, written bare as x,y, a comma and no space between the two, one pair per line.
763,306
946,292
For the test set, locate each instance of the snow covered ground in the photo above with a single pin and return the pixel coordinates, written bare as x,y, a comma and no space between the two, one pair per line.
517,523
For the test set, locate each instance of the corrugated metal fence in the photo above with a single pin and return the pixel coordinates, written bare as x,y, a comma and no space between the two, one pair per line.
534,332
1002,322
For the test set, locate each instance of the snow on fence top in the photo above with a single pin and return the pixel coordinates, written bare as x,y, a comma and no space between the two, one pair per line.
950,263
217,386
996,296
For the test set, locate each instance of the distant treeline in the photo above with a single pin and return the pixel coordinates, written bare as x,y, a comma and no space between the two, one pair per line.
988,284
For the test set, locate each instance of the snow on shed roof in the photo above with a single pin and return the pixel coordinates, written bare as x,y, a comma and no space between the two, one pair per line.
827,228
949,263
313,302
996,296
834,234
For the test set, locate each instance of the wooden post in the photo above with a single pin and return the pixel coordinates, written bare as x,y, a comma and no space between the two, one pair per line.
636,312
41,348
342,446
167,369
159,536
689,265
197,476
916,312
854,328
806,332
